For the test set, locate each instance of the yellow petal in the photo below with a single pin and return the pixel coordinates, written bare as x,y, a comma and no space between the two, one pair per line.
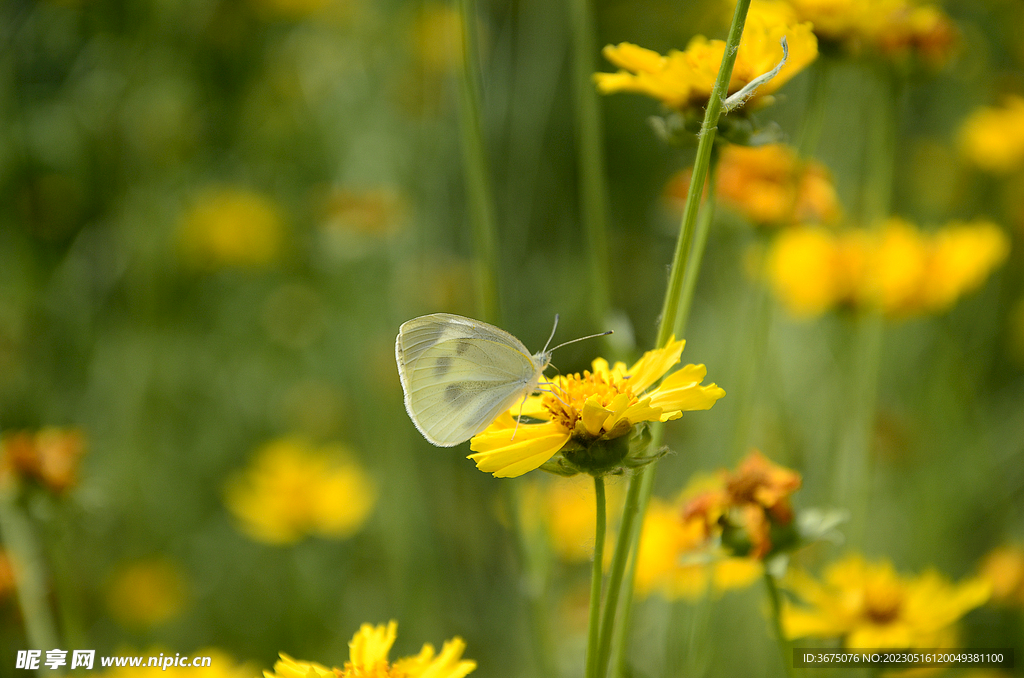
633,57
371,644
682,391
653,364
534,444
594,415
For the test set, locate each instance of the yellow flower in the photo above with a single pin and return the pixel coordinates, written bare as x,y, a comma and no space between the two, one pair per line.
293,489
993,138
891,28
147,593
897,268
588,409
1003,567
368,658
222,665
685,78
437,38
674,560
869,605
770,185
49,456
803,268
232,227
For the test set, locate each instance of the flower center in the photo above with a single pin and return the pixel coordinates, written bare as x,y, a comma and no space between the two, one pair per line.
571,392
883,601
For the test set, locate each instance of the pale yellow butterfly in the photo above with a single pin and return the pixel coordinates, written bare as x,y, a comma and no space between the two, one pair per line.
459,374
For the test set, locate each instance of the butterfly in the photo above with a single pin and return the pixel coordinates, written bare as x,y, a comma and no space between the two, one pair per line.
458,374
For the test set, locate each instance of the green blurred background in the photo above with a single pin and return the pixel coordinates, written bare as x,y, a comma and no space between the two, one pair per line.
336,121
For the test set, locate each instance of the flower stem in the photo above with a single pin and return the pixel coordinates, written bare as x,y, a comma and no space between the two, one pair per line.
475,172
854,451
590,158
594,629
20,541
773,598
700,241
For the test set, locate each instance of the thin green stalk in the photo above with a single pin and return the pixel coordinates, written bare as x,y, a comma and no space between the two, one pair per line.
751,364
642,483
594,628
700,241
590,158
474,158
784,646
29,567
852,479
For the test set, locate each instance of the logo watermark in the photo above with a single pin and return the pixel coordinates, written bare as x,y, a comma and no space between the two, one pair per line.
33,660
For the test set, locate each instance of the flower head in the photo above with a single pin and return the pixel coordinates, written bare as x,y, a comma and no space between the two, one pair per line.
870,605
771,186
1003,567
588,415
368,658
293,489
894,29
744,505
147,592
993,138
897,268
232,227
49,456
686,78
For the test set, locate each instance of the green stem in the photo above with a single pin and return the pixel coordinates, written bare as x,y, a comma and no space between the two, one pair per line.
700,241
853,468
641,485
751,365
590,158
29,567
773,598
594,628
477,179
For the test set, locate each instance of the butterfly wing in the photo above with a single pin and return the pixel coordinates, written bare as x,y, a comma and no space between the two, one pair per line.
459,374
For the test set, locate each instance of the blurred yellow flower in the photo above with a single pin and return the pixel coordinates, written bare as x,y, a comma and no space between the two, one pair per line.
685,78
293,489
897,268
1003,568
592,408
356,221
894,29
222,665
232,227
49,456
869,605
368,658
564,509
993,138
147,593
7,580
674,559
437,37
770,185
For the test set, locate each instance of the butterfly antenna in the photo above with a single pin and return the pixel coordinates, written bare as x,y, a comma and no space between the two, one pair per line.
552,335
573,341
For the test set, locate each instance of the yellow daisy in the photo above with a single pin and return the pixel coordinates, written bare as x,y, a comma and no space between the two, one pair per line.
581,412
685,78
870,605
368,658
